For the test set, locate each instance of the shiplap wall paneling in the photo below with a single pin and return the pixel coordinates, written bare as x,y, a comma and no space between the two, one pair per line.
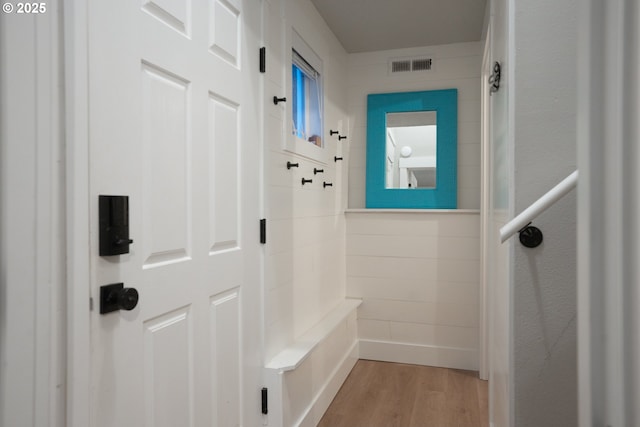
418,276
304,254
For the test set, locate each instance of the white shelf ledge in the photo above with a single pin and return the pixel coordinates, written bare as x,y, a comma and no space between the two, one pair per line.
420,211
291,357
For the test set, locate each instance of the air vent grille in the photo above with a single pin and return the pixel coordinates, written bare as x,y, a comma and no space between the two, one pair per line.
403,65
421,64
400,66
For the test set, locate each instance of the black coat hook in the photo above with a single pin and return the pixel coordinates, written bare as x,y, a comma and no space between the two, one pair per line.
276,100
317,171
305,181
292,165
333,132
336,158
341,137
327,184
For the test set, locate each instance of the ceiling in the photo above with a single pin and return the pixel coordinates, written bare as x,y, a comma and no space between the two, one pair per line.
370,25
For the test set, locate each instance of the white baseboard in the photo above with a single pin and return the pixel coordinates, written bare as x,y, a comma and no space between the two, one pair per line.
446,357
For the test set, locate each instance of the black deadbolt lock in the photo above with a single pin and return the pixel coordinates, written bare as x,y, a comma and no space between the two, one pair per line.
116,297
114,225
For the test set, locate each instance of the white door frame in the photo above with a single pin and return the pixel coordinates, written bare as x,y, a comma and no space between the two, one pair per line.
33,351
608,210
76,68
485,167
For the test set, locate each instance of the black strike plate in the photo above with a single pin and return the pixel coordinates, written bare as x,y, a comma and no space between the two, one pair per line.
114,225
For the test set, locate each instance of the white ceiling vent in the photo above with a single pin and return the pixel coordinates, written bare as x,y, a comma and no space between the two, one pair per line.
404,65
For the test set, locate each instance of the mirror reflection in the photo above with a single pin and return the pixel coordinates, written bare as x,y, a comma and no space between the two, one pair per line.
411,149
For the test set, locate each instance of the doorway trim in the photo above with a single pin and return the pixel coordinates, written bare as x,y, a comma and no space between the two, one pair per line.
485,168
608,207
75,60
33,228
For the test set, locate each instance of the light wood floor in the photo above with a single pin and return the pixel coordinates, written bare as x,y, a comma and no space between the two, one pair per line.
381,394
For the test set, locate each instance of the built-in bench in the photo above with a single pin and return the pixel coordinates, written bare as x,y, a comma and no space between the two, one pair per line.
304,377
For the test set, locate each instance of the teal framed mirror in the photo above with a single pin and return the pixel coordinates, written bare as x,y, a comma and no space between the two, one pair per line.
412,150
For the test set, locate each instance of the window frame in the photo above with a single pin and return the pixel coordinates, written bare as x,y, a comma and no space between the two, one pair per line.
305,87
293,143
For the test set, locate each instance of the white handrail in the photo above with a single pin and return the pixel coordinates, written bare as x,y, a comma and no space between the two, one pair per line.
539,206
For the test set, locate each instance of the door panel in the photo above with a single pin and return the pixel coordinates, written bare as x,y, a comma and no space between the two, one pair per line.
225,351
165,129
225,30
224,178
172,125
173,13
168,369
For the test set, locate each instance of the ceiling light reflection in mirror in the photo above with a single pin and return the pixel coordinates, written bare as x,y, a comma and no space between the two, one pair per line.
411,142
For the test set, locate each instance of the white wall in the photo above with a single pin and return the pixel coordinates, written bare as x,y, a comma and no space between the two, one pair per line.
455,66
418,275
419,285
32,374
544,279
304,270
533,145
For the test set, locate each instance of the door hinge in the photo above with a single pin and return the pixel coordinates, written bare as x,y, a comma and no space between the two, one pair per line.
263,59
265,406
263,231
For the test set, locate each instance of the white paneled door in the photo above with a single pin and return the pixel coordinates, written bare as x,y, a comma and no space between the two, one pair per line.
173,113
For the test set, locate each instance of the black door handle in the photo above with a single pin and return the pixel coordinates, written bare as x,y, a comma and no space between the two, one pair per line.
116,297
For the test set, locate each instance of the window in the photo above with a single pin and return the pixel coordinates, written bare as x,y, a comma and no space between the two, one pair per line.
307,100
305,86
